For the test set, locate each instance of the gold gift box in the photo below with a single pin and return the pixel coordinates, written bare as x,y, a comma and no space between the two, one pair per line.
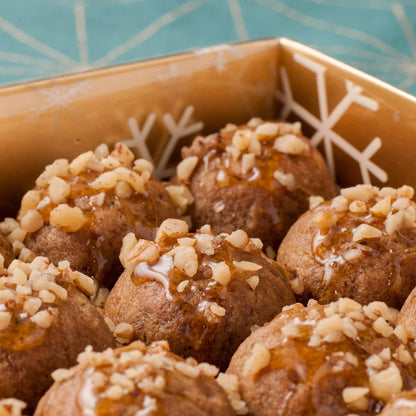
363,126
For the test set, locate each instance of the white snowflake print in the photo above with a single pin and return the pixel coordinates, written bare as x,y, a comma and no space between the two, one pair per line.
58,97
327,121
177,131
223,54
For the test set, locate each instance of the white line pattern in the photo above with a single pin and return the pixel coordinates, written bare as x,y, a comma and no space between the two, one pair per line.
324,125
238,19
150,30
28,40
139,136
177,131
81,28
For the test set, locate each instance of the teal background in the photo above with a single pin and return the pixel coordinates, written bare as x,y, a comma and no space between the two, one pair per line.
42,38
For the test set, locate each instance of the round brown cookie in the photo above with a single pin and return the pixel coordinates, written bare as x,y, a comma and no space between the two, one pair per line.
361,244
329,360
200,292
45,322
80,211
256,177
135,380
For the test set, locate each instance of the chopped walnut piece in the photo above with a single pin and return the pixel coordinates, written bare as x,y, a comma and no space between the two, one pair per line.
248,162
58,190
346,305
358,207
172,228
32,221
314,201
265,130
84,282
80,163
204,244
181,196
182,286
108,180
351,394
30,200
68,218
58,168
255,146
44,318
297,285
62,374
259,359
186,260
241,139
205,229
124,332
247,265
129,241
285,179
364,231
238,238
143,167
257,243
11,407
382,327
123,154
142,251
253,281
401,204
360,193
186,167
400,333
217,309
394,222
406,191
325,220
32,305
386,383
382,208
221,273
253,122
327,325
290,144
387,191
123,190
339,204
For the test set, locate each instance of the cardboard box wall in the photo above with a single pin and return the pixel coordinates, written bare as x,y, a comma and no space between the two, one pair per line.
364,127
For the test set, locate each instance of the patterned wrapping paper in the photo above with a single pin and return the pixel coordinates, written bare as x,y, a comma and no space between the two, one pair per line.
363,126
42,38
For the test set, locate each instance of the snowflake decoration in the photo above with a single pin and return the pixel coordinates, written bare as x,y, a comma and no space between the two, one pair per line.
177,131
327,121
58,97
223,53
139,136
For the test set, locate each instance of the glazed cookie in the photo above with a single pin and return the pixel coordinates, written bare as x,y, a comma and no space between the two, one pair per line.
256,177
46,320
326,360
199,291
80,211
136,380
361,244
